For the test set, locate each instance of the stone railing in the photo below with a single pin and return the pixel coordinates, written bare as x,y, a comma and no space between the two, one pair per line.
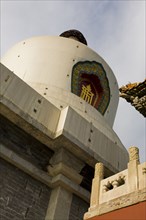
113,186
119,186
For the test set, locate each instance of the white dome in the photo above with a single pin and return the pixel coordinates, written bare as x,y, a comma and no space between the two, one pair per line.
47,62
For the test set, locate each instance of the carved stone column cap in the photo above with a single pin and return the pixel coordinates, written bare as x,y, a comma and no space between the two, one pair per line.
133,153
99,170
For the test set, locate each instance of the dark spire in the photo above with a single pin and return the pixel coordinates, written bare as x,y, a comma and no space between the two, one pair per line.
74,34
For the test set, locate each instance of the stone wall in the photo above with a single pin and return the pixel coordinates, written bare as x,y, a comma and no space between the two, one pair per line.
22,197
78,208
24,144
26,195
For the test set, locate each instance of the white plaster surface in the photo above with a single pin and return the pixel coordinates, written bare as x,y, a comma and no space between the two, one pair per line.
49,61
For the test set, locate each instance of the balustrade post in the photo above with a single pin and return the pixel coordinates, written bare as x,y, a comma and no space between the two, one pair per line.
98,176
133,169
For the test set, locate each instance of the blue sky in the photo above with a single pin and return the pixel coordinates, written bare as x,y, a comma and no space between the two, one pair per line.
114,29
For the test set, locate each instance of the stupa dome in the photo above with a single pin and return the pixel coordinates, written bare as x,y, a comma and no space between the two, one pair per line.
62,69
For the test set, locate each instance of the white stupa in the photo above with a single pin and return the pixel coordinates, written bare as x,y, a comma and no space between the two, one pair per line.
69,91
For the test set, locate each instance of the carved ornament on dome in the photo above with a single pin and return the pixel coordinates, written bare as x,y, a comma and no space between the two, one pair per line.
89,81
